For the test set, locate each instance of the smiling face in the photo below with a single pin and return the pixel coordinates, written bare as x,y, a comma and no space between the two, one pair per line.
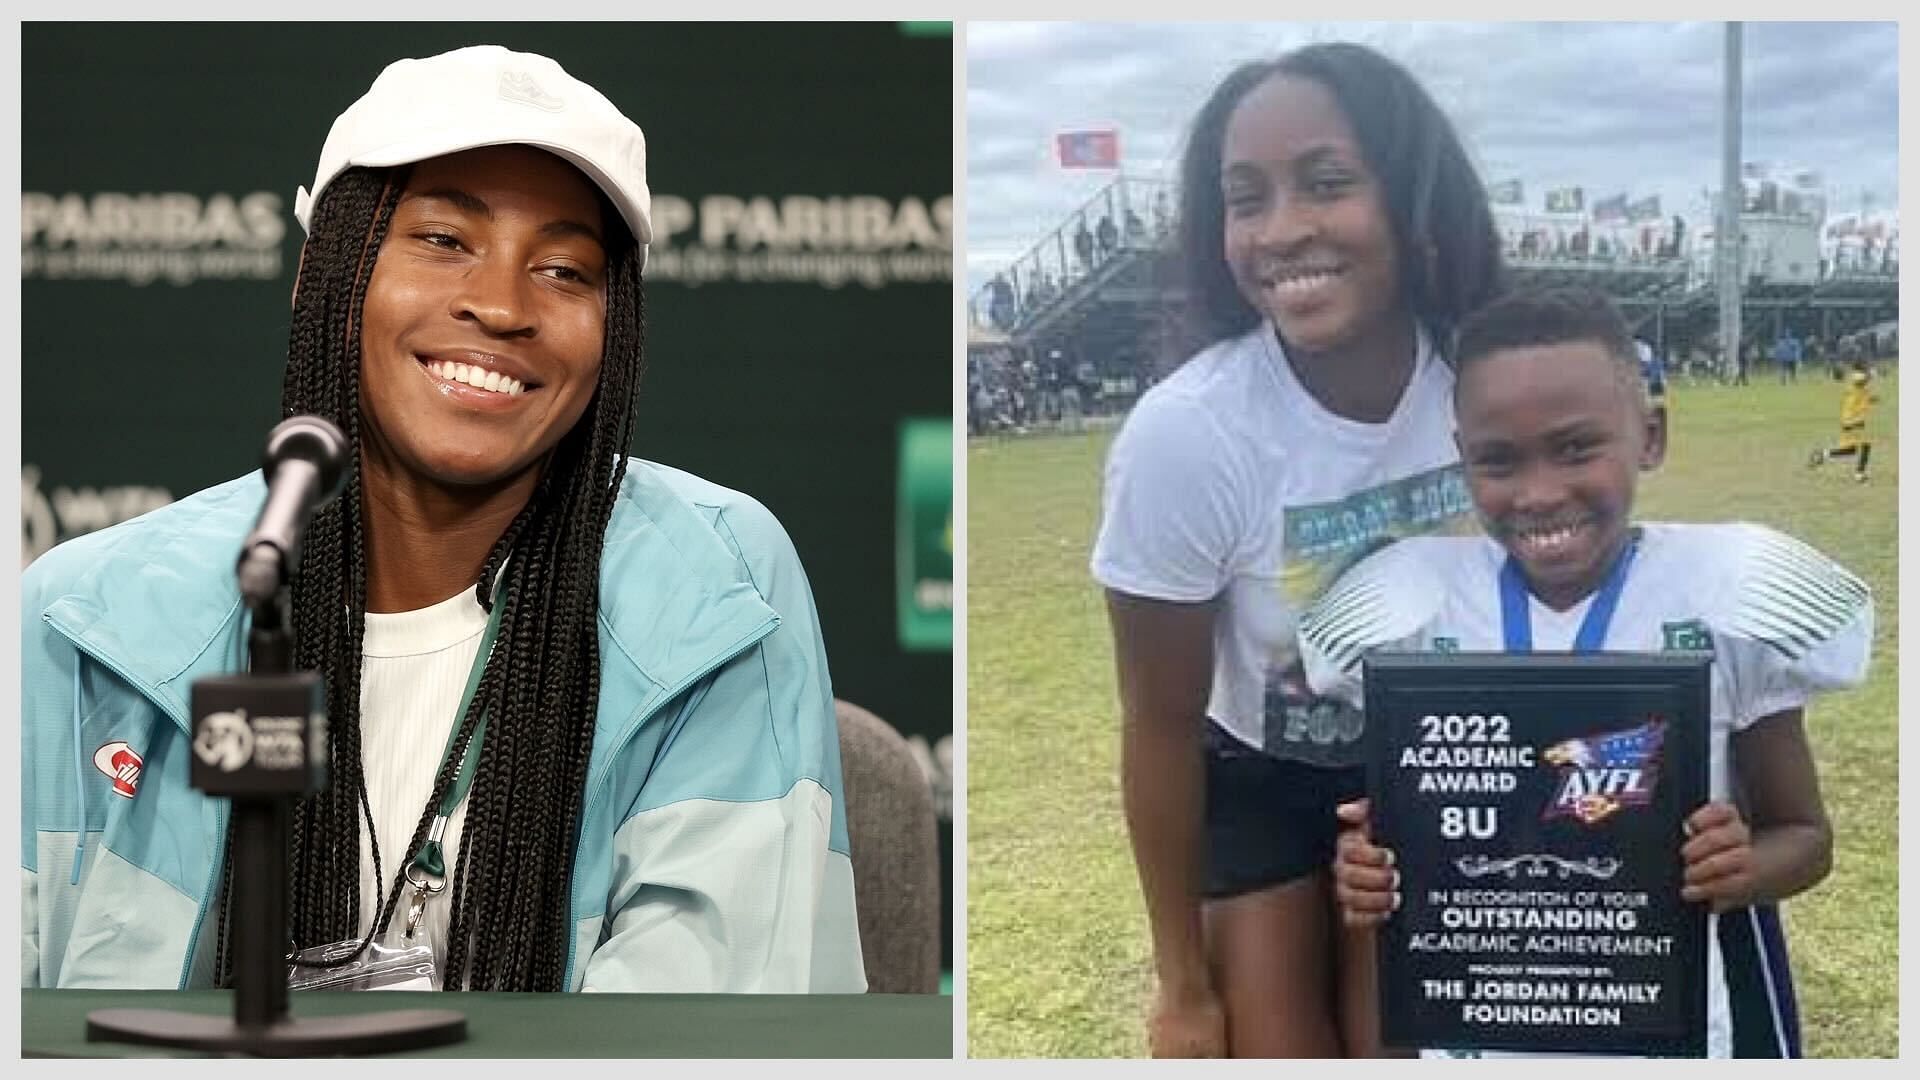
1308,238
1553,438
484,320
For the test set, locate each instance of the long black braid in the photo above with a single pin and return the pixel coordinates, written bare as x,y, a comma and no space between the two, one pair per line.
510,926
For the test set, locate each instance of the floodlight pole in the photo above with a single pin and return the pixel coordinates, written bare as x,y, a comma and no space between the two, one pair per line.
1728,242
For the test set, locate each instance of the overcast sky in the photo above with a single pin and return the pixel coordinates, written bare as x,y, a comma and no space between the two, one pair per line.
1610,107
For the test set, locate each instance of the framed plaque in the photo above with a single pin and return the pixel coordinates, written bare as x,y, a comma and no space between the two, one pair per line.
1535,806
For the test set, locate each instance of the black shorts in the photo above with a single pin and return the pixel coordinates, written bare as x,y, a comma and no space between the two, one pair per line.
1269,821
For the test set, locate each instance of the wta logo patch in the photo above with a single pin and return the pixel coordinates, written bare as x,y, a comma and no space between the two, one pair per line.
1601,774
122,765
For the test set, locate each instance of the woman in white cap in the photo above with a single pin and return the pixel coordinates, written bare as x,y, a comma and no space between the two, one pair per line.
625,658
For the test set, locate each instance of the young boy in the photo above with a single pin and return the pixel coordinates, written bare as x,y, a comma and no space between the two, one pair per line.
1853,424
1554,427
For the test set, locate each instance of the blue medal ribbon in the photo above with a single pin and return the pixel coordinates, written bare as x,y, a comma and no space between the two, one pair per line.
1516,622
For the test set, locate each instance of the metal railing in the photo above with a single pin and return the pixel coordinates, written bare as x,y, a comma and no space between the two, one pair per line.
1128,215
1134,214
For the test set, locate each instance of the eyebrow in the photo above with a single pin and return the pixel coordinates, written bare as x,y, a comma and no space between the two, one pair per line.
470,203
1313,155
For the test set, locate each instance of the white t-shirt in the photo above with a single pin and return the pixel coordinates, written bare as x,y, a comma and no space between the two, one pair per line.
1783,623
414,669
1230,480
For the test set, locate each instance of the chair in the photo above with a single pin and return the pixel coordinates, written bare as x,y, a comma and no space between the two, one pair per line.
896,854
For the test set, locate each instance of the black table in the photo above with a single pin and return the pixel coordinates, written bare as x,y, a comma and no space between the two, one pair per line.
53,1023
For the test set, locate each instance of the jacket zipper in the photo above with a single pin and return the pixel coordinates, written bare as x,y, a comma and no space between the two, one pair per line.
619,747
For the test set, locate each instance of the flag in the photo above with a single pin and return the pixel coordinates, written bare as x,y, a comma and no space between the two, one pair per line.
1099,149
1565,201
1647,209
1610,210
1633,748
1506,192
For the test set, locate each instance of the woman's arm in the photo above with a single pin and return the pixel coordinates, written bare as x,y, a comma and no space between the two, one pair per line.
1164,653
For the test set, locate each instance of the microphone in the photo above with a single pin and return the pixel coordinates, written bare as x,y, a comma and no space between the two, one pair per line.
304,464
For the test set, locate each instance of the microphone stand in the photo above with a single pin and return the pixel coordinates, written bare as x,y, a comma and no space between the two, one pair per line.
260,740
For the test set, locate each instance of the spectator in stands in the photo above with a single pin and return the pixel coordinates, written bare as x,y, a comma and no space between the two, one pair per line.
1333,233
1136,228
1000,304
1083,246
1108,234
979,398
1049,408
1087,377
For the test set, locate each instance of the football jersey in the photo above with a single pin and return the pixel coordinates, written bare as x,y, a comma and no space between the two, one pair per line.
1782,621
1855,404
1230,481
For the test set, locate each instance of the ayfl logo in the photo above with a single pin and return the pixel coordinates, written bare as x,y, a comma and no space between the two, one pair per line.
1600,774
122,764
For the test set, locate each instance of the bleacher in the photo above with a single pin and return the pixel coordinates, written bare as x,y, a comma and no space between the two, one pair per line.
1065,299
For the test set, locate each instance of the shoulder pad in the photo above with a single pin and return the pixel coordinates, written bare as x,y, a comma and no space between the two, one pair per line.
1782,592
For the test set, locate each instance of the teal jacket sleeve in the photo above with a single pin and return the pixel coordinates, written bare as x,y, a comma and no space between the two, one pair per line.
731,870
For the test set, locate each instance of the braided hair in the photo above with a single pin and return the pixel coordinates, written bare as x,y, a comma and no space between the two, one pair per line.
510,926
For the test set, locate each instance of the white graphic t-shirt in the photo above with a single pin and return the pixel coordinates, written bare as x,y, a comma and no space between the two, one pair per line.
1229,480
1782,621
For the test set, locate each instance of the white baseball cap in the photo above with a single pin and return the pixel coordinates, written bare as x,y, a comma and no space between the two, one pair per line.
487,95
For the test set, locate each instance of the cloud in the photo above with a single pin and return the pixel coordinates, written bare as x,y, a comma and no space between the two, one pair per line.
1612,107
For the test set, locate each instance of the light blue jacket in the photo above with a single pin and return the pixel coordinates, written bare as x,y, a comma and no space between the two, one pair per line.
713,845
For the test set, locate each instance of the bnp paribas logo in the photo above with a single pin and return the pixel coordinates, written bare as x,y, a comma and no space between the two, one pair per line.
144,237
832,241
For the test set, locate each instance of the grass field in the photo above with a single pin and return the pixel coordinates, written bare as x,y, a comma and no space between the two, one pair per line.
1056,951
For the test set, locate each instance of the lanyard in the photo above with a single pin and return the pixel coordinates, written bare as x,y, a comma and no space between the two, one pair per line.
1516,622
430,860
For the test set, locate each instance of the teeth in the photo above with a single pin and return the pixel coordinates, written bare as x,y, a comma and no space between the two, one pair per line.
1549,540
1301,283
477,377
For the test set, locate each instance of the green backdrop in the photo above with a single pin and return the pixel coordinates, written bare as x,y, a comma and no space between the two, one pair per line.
799,312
